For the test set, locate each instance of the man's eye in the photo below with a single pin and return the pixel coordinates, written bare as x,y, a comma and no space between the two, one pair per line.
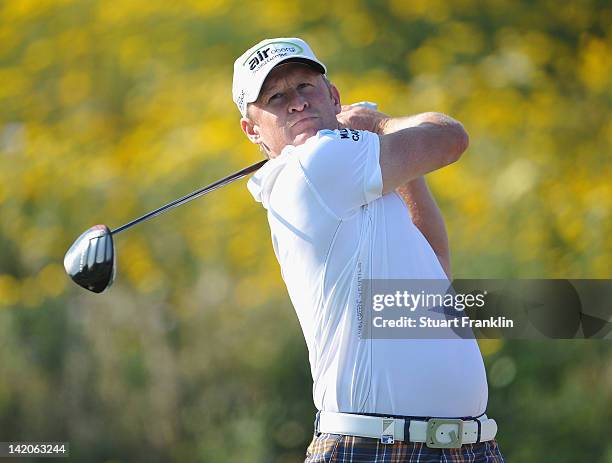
274,97
304,85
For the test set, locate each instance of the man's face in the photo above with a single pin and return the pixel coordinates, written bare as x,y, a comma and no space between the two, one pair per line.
294,103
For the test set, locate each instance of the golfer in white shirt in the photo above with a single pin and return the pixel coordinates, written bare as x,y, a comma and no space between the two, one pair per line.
346,201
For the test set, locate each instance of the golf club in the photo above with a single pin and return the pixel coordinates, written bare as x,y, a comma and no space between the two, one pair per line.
91,261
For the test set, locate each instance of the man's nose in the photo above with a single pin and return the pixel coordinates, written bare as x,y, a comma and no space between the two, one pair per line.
297,102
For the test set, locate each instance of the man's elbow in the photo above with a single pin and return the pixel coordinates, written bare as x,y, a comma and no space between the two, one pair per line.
460,142
455,136
463,140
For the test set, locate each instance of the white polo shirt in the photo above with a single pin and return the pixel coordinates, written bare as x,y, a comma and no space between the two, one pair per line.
330,228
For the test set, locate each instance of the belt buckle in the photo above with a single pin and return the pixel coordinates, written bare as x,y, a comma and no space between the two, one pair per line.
434,424
388,431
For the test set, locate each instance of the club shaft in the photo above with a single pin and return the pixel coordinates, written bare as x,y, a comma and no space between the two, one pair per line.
191,196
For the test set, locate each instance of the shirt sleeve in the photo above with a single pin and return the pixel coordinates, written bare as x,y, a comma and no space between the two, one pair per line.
342,167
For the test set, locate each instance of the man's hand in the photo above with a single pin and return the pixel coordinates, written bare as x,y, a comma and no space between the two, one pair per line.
362,118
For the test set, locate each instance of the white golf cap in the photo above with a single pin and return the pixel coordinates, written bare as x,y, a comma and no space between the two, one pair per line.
252,68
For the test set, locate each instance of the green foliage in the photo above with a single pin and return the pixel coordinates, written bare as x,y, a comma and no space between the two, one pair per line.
108,110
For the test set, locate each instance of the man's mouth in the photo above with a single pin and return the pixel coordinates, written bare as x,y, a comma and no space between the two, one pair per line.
304,119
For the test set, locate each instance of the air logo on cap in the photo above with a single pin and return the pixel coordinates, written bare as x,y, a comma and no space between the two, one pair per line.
270,51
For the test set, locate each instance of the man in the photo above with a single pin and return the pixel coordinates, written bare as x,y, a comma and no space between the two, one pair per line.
336,218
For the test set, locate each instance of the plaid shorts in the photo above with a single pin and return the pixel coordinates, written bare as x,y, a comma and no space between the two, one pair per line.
328,448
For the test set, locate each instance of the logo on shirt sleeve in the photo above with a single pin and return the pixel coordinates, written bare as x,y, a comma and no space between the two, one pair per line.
349,134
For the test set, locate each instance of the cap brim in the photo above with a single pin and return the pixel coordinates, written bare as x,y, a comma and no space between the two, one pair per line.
309,62
292,59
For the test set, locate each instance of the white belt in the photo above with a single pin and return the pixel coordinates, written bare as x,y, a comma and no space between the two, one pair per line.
435,432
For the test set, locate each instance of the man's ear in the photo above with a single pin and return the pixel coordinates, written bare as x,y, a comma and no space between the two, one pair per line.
251,130
335,95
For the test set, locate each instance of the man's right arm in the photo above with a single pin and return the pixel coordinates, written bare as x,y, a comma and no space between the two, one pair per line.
447,135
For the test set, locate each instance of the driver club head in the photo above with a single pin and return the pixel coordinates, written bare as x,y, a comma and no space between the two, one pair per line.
90,261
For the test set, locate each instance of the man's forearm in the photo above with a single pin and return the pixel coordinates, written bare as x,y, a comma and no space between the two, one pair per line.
427,217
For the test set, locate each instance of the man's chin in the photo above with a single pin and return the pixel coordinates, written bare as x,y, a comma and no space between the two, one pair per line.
303,136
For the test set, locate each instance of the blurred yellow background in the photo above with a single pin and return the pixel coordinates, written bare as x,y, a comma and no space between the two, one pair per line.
110,109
